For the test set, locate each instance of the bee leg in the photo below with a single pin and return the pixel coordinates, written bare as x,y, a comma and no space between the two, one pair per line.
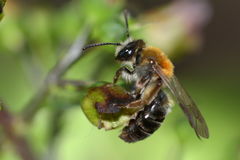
148,94
119,72
141,85
137,104
100,125
152,91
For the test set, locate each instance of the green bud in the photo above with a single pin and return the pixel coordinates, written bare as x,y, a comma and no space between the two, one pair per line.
104,106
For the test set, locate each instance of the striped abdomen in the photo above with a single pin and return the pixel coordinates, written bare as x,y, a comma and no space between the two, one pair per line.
147,120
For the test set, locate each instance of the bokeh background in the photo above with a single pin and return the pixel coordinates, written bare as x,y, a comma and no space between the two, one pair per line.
201,37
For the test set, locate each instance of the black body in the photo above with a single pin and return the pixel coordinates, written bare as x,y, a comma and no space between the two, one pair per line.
147,120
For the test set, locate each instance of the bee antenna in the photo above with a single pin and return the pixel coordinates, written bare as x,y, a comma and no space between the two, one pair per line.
100,44
126,22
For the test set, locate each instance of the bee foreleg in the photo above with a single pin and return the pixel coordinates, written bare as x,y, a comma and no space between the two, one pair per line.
119,72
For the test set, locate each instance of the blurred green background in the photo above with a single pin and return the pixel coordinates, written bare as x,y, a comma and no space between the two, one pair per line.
202,38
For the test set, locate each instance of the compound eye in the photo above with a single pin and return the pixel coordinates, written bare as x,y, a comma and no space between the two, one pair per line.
126,53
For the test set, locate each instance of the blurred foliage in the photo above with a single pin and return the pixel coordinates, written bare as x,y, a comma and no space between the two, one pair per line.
33,38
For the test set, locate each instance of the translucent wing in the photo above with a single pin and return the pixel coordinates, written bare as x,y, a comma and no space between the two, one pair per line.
188,106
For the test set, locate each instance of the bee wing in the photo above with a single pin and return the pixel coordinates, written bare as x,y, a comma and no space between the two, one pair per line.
186,103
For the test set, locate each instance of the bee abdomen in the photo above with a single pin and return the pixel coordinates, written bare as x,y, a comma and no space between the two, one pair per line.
147,120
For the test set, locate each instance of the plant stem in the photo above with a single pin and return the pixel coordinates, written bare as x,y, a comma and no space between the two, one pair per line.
52,78
9,125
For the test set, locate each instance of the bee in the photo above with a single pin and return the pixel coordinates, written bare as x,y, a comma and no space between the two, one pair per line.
150,71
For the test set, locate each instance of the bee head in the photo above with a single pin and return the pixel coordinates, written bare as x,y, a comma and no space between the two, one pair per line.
129,49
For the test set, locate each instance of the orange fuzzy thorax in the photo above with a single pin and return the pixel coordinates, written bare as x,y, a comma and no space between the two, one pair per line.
160,58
